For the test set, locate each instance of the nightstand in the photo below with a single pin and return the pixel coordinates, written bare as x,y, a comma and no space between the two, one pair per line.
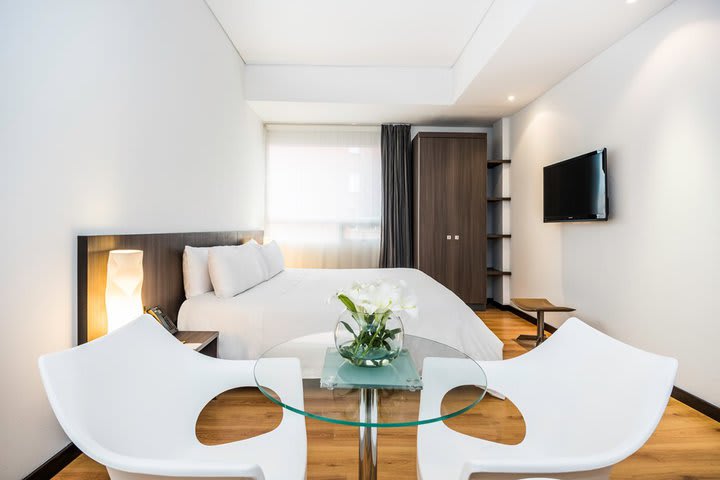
207,341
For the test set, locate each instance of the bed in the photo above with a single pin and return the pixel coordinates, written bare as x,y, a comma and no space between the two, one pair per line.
298,302
293,303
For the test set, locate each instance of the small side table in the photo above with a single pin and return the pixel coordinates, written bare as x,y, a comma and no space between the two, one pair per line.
539,305
206,341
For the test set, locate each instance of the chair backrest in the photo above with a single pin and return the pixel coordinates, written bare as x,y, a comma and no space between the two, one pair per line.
128,390
582,392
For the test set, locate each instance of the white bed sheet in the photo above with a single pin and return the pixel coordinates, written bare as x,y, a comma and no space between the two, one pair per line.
296,303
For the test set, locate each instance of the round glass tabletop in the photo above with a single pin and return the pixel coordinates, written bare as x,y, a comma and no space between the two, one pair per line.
336,391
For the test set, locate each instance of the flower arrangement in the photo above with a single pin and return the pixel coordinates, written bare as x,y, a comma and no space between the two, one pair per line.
370,331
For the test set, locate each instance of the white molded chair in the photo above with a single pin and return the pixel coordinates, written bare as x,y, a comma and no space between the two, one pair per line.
588,400
130,401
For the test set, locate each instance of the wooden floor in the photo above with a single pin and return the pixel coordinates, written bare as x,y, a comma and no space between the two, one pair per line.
685,446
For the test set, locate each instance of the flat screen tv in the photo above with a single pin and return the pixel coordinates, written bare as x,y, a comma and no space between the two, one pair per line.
576,190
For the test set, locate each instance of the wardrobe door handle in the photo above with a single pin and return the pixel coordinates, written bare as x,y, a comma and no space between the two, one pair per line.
457,237
449,237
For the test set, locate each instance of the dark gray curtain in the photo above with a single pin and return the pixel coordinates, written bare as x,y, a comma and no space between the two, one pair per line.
396,245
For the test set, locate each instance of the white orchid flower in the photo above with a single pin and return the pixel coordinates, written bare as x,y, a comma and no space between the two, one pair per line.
377,297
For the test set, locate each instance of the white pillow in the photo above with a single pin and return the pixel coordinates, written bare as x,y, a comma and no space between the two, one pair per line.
258,248
195,271
273,259
235,269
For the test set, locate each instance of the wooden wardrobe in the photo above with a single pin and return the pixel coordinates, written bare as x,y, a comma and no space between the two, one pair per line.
450,209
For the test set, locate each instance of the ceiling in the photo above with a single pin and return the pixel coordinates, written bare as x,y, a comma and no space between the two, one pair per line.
417,61
420,33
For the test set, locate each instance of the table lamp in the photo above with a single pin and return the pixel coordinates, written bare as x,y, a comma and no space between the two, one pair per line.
123,301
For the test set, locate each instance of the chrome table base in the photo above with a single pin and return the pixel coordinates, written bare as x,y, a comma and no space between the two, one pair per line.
367,466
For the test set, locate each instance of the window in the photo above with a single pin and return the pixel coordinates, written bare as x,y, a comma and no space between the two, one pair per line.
323,195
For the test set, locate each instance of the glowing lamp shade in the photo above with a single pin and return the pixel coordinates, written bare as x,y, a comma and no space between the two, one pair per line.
123,301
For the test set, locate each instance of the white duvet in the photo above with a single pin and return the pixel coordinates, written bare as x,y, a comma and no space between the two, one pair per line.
295,303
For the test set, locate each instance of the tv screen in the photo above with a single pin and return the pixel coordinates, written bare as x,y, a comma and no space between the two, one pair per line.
576,189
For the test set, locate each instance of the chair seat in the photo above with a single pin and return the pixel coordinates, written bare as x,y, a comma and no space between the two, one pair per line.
578,424
130,401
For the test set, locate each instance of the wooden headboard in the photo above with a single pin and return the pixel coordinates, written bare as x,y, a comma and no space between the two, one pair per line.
162,271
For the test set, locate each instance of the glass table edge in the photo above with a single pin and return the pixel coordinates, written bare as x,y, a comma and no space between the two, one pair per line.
351,423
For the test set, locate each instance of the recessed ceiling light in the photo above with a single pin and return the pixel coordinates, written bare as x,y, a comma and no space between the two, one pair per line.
630,1
511,98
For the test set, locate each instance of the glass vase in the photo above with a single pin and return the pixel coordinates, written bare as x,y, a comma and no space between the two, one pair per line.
369,340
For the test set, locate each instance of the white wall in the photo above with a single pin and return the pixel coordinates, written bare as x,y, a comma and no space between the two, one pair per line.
115,116
651,275
364,85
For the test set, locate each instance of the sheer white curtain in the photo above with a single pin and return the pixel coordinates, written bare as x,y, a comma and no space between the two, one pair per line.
324,195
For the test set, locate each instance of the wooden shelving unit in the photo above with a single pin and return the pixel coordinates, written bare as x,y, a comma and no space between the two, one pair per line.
495,163
498,204
494,272
499,211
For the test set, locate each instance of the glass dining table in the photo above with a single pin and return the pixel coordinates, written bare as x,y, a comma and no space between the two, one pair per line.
338,392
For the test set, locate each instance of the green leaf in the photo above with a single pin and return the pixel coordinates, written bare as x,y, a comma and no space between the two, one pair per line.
349,329
347,302
393,332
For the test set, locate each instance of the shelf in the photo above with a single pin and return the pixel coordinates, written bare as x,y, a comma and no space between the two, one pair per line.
498,199
495,163
492,272
497,235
